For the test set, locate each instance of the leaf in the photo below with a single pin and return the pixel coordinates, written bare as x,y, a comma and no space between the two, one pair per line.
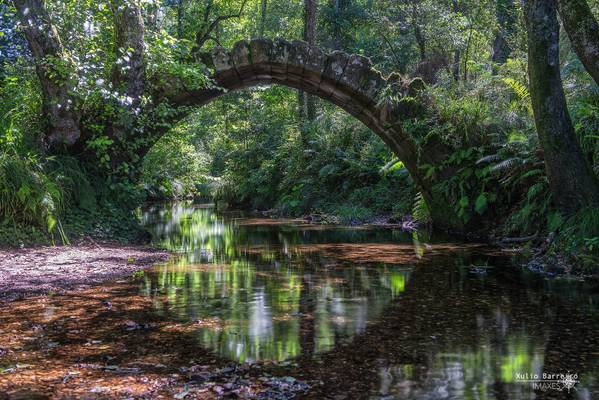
51,222
520,90
23,192
327,170
397,166
535,190
481,204
554,221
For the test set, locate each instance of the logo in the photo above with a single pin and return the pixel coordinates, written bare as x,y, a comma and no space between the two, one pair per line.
546,381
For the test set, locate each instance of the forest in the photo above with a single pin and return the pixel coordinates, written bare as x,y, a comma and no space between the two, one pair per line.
314,199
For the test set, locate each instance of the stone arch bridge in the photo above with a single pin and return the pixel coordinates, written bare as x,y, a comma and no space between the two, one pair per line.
349,81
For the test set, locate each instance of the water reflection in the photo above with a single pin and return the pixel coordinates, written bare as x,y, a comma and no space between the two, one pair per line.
424,322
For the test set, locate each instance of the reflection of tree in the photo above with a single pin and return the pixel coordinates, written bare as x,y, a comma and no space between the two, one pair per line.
454,335
259,312
258,297
200,233
279,292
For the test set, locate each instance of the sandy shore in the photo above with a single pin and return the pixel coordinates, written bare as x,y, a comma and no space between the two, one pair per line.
43,270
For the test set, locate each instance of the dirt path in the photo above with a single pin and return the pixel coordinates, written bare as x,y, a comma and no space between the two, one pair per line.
42,270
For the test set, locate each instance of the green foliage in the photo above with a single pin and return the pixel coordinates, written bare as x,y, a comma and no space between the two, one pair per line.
167,64
585,113
28,196
578,236
100,145
175,167
265,160
420,211
352,214
105,222
518,88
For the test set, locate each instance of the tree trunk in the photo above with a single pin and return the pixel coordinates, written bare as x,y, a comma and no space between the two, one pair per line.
583,31
455,70
457,53
53,71
307,102
337,34
180,12
130,74
262,18
420,41
571,180
506,21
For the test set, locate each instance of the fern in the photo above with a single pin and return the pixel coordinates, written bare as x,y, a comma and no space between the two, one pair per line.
532,172
488,159
518,88
420,211
28,195
535,190
507,164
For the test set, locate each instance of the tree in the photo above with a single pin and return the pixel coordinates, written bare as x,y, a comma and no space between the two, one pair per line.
130,44
307,103
263,7
571,180
206,31
54,71
583,30
180,4
457,53
338,15
505,12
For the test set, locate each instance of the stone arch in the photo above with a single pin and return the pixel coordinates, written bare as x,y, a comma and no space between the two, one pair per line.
349,81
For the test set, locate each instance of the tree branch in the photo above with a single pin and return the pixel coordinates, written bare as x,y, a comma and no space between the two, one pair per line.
203,35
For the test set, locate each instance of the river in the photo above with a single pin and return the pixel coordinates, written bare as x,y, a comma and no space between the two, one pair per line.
251,307
376,311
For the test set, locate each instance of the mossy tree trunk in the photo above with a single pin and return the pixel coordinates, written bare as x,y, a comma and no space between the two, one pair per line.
583,30
307,103
55,73
571,180
129,29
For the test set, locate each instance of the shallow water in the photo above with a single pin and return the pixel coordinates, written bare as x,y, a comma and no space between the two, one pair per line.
372,313
267,308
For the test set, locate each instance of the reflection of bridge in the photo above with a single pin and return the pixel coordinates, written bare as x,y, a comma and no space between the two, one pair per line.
349,81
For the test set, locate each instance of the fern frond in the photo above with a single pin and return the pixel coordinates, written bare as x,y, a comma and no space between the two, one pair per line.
420,210
488,159
518,88
532,172
507,164
535,190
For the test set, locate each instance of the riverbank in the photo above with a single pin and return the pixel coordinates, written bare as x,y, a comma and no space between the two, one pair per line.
54,269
